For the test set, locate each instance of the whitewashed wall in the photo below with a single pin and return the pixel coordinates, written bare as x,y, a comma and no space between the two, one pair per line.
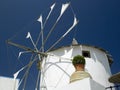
8,83
58,70
85,84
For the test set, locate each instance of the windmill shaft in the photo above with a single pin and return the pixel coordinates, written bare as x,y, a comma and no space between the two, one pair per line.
25,48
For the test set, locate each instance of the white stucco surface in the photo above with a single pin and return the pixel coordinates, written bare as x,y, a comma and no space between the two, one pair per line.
58,67
86,84
8,83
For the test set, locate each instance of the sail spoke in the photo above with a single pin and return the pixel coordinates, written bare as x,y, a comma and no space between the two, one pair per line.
41,34
26,76
27,72
41,21
29,36
74,24
38,79
26,48
64,7
28,66
51,9
17,73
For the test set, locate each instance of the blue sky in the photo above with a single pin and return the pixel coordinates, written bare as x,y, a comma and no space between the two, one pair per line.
99,25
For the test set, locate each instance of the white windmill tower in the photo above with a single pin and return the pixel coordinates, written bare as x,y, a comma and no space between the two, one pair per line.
58,68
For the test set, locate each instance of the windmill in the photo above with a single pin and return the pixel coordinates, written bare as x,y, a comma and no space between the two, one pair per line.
54,65
40,54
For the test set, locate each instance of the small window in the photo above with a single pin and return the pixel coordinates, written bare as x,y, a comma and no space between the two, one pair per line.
86,54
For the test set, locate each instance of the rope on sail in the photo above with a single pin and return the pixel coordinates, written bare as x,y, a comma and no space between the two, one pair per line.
74,24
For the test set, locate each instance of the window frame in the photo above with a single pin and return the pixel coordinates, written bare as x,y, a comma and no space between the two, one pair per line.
86,54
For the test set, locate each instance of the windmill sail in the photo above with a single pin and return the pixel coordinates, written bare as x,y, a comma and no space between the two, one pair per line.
64,7
52,7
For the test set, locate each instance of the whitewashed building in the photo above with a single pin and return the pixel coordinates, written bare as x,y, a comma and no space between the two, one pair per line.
57,68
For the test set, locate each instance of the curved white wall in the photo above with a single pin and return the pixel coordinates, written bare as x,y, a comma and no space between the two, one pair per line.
57,70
